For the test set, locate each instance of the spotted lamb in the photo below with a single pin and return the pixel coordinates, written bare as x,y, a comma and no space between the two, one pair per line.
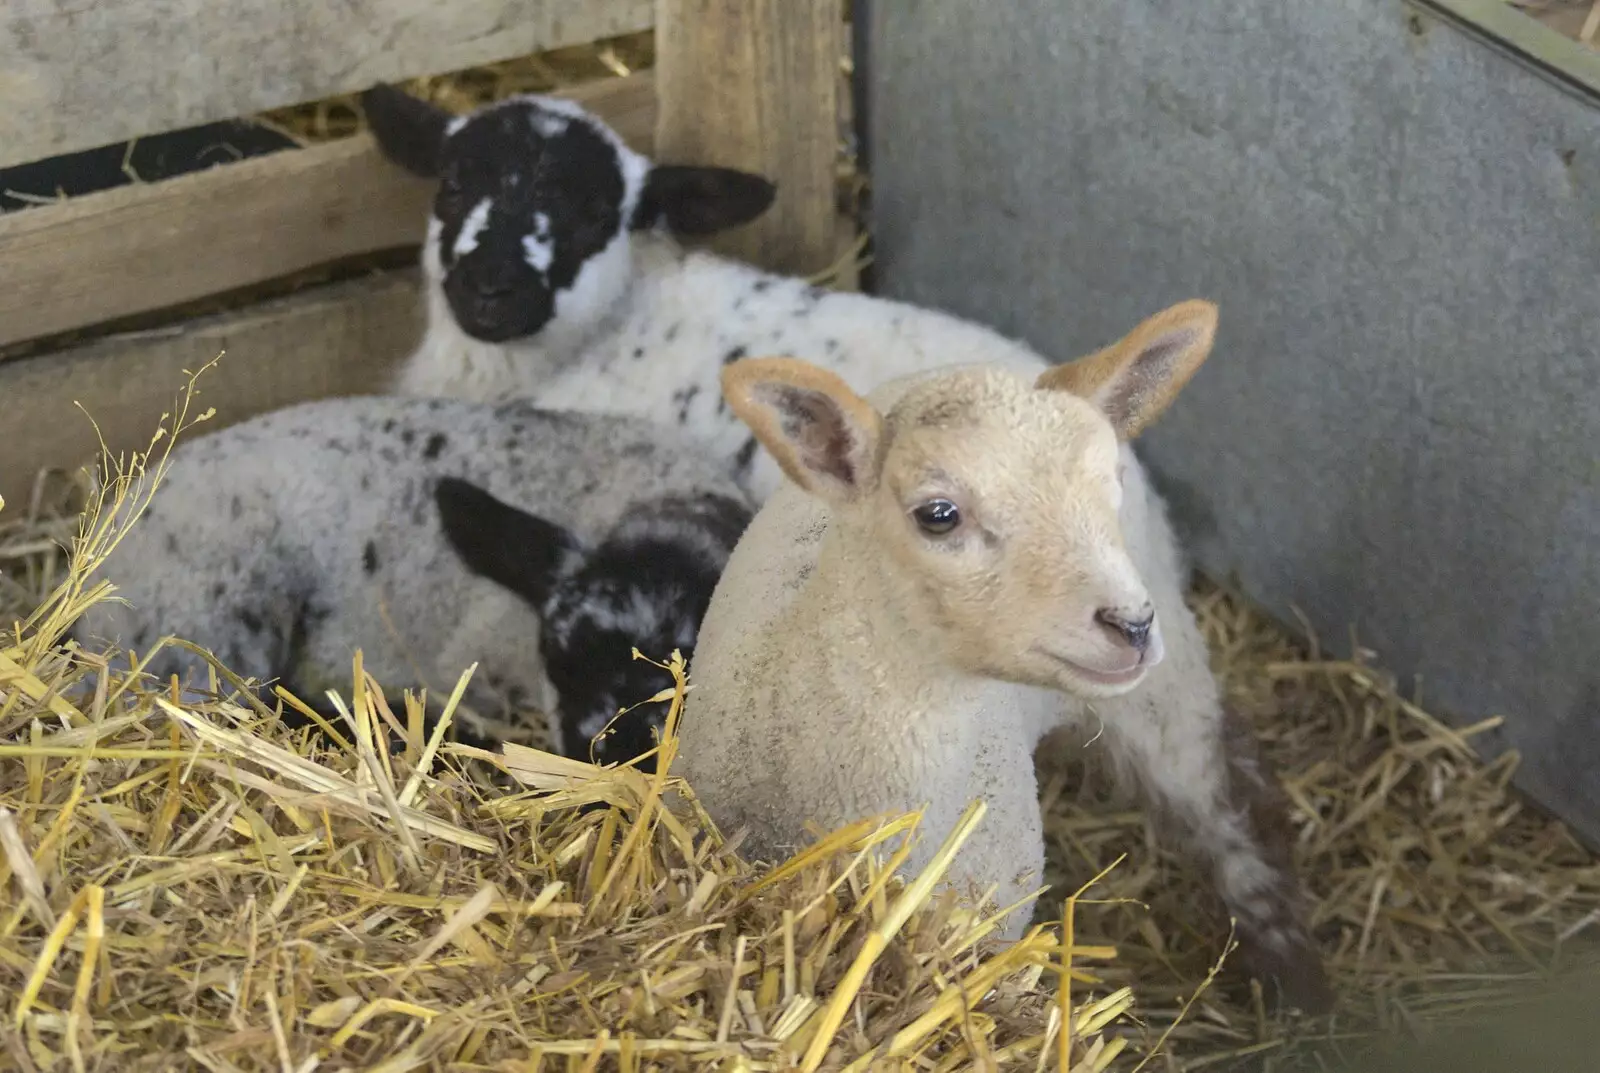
431,534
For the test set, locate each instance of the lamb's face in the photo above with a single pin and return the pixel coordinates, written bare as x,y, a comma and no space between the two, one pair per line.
989,504
537,203
593,622
646,586
530,219
996,515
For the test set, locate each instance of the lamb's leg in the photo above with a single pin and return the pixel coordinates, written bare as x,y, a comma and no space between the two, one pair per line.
1201,770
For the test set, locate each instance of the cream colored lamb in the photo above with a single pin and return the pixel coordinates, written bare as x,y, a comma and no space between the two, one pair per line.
957,565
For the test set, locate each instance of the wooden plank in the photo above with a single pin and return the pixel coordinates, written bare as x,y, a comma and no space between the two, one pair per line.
1555,57
755,84
92,72
337,340
134,249
1565,17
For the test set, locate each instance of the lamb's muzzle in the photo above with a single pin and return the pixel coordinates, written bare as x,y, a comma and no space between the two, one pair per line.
1134,629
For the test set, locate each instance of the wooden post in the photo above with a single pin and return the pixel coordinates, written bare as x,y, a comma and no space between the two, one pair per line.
754,84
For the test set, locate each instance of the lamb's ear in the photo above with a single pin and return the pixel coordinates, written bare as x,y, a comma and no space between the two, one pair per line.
827,438
520,551
1134,379
701,201
410,131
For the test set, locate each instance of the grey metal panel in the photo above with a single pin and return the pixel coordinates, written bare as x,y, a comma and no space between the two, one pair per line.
1399,428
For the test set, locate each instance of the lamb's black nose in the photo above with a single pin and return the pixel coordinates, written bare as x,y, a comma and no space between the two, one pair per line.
1132,630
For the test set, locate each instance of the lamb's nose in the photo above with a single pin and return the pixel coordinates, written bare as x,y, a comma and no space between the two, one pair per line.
1131,629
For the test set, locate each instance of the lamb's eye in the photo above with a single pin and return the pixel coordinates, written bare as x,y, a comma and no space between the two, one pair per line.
937,516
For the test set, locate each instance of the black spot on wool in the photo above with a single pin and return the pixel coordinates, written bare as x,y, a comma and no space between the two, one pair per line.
746,453
436,443
369,558
683,398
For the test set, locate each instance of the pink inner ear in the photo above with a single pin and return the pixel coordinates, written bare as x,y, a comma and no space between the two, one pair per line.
1143,381
814,424
1131,391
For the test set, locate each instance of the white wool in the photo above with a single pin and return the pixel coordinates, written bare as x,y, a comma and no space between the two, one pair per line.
472,227
549,124
538,252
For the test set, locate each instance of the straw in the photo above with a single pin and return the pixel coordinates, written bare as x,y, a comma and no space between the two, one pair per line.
199,886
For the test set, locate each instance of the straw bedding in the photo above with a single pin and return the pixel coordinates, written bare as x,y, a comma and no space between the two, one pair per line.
203,888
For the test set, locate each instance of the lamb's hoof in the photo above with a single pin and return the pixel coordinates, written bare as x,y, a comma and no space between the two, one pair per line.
1291,974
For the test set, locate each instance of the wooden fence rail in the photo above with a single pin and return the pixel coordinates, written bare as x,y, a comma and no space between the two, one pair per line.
75,74
134,249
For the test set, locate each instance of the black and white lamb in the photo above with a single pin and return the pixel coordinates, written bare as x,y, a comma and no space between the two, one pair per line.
433,533
552,272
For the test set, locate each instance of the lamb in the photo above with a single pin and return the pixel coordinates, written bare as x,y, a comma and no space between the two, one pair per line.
552,271
960,563
431,534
